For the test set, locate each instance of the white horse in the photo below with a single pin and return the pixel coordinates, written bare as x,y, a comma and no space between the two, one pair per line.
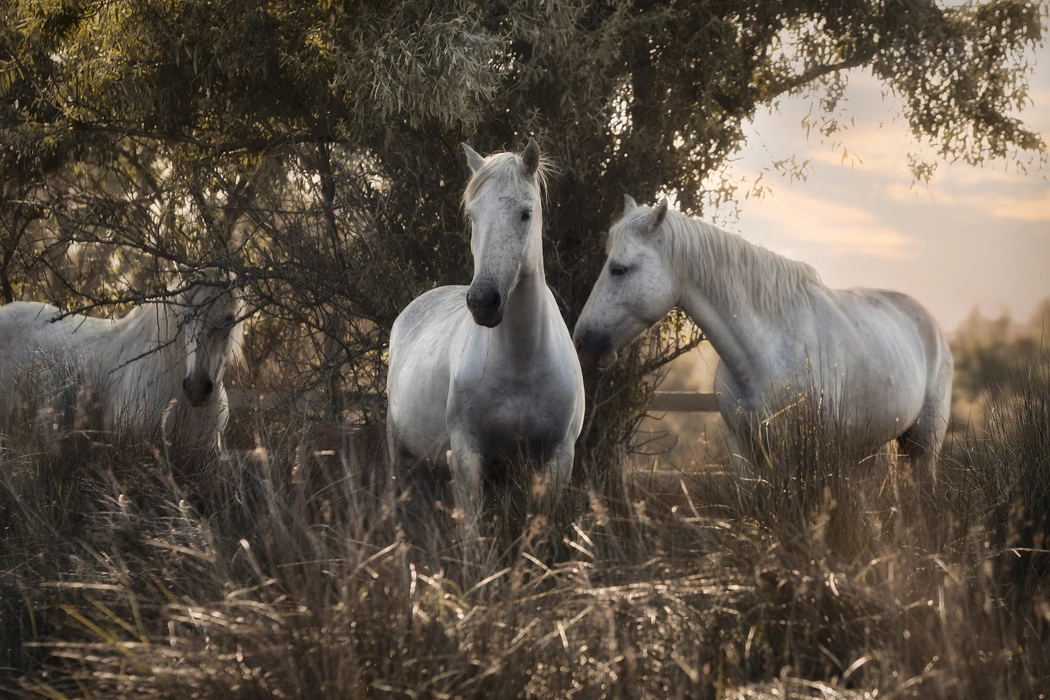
876,359
488,371
155,373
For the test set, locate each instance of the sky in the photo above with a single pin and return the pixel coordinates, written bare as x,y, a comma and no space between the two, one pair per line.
971,237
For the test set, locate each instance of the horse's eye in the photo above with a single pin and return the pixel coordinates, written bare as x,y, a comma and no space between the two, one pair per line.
228,320
617,270
526,215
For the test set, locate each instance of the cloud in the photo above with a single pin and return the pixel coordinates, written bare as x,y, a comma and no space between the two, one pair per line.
1031,210
874,173
987,195
837,229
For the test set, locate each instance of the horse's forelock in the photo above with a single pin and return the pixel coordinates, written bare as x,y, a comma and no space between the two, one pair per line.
198,291
630,223
206,280
505,169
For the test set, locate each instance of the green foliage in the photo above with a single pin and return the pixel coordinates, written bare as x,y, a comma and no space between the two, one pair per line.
313,148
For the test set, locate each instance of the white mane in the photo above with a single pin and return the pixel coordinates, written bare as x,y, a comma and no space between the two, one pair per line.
725,264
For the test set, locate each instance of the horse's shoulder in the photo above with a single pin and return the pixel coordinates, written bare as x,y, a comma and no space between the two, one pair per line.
439,300
431,318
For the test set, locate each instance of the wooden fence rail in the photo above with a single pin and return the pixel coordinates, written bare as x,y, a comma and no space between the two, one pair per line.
663,401
684,402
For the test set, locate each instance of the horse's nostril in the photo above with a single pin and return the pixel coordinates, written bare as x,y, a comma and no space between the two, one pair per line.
208,386
492,300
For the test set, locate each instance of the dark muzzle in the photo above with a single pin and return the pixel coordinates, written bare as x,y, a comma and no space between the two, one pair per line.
595,348
198,389
485,304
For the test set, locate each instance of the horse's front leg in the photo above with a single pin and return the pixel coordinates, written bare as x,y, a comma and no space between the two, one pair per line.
741,458
467,463
557,472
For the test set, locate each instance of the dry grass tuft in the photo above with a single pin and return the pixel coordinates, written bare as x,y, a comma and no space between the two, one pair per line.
298,572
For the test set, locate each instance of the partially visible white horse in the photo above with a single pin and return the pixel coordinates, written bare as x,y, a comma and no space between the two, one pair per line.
488,371
876,359
155,373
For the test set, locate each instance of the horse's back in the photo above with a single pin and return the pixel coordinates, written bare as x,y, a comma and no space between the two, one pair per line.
938,364
32,323
875,357
891,353
51,358
899,322
25,332
21,320
39,371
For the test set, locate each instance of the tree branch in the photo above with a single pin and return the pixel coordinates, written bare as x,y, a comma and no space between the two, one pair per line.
817,72
255,145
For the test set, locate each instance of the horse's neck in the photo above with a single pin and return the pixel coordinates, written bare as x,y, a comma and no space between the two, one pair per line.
525,317
733,319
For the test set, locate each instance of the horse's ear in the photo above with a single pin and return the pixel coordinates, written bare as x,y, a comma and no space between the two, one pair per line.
531,157
629,204
659,214
475,161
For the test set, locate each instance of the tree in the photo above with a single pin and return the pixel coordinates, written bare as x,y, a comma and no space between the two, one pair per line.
314,148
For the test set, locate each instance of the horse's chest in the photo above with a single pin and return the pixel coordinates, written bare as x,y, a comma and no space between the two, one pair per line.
529,412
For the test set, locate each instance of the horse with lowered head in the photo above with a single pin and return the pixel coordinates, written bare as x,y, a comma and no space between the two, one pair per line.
155,373
877,361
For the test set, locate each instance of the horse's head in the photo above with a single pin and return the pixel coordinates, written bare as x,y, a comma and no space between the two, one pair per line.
503,204
635,290
212,331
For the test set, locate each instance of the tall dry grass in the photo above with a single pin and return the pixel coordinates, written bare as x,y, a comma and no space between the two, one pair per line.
292,573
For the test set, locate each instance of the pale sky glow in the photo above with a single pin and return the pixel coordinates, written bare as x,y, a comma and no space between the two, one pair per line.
971,237
806,219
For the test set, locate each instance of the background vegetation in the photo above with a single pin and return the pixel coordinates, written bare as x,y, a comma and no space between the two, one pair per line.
313,149
988,352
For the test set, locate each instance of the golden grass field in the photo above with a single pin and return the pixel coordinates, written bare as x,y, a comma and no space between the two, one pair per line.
292,572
